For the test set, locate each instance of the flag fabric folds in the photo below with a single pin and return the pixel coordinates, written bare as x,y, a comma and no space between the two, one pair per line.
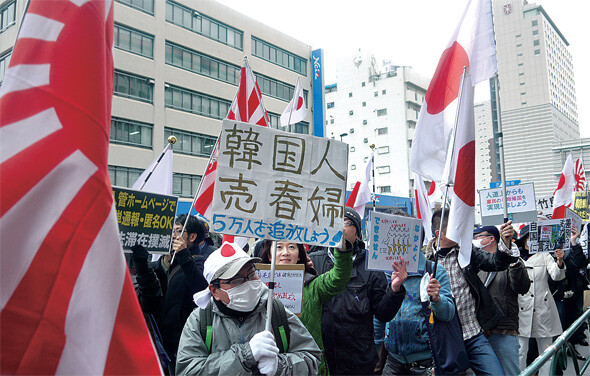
361,193
423,208
246,107
580,175
295,110
472,45
158,176
67,303
565,189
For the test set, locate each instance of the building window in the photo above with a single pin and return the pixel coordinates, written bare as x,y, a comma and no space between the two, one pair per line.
330,105
201,24
534,23
185,185
302,127
385,189
351,130
195,102
349,95
363,84
536,42
276,55
376,93
277,89
331,121
7,15
124,176
365,140
143,5
130,132
351,112
382,112
409,144
537,52
191,143
194,61
4,62
383,150
383,92
364,104
134,41
134,87
353,167
381,131
364,122
352,149
383,169
535,32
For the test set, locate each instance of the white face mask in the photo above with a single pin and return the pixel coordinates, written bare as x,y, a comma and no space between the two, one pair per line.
246,296
477,243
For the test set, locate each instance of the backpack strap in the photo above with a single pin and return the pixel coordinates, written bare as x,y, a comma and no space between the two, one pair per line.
280,326
206,325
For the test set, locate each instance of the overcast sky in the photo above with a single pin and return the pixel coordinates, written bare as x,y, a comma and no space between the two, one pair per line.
408,32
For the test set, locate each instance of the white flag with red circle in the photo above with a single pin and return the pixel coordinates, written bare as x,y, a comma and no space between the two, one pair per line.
295,110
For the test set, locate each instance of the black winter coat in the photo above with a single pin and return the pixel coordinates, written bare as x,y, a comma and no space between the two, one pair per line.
487,311
180,283
504,288
347,319
575,273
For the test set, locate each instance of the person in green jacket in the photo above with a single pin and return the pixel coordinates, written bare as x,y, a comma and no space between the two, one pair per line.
317,290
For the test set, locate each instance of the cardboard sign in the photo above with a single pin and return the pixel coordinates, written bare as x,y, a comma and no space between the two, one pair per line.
545,206
576,219
288,284
549,235
521,204
581,206
280,186
393,238
145,218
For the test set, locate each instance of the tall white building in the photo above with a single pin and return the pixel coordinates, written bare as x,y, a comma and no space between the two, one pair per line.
376,105
484,145
537,92
177,69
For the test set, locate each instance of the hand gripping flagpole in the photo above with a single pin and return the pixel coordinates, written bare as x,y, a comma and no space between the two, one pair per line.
171,141
446,180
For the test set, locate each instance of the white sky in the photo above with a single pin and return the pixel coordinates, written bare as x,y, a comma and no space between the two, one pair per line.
408,32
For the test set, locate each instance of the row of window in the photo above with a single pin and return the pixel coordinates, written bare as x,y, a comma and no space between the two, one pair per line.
134,41
129,132
4,61
7,15
143,5
196,103
183,185
134,87
191,143
201,24
285,59
375,94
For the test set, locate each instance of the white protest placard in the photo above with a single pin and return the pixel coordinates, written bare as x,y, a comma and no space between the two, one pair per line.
280,186
575,217
549,235
545,205
393,238
288,284
520,198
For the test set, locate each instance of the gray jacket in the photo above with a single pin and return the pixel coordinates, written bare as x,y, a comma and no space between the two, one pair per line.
230,351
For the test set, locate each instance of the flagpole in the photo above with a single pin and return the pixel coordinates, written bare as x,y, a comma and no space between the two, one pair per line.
501,147
373,176
271,286
447,179
171,141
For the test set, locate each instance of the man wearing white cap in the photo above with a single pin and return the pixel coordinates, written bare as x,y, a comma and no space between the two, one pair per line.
236,342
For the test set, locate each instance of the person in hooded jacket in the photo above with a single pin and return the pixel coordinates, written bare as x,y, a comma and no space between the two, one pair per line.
347,318
317,290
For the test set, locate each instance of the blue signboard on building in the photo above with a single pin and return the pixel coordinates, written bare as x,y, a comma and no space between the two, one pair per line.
317,62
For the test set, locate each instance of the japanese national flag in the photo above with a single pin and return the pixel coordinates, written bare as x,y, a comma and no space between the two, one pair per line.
361,193
565,189
296,110
472,45
423,208
67,303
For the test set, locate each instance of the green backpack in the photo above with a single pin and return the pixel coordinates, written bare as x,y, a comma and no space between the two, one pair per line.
280,325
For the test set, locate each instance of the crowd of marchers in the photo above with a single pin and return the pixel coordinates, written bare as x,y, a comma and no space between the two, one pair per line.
206,308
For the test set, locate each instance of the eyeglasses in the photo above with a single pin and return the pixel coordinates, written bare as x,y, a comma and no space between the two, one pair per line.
236,281
482,236
177,231
348,223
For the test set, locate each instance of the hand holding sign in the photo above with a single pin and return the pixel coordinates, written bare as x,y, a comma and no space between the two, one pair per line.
399,275
574,236
559,254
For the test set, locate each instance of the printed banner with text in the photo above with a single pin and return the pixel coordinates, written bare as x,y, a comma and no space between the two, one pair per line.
393,238
145,218
288,284
280,186
549,235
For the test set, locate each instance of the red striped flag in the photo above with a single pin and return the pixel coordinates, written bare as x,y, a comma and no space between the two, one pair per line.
247,107
67,302
565,189
580,175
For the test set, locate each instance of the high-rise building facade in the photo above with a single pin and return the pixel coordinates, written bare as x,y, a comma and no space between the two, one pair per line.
376,105
177,70
537,93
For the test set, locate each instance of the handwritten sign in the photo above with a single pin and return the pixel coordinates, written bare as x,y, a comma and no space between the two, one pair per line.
288,284
549,235
145,218
280,186
393,238
520,198
545,206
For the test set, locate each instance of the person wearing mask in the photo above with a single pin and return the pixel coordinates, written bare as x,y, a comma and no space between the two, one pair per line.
238,343
317,290
504,287
538,316
347,318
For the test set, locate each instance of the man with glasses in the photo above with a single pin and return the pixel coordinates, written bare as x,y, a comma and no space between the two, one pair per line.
238,343
180,280
347,319
504,287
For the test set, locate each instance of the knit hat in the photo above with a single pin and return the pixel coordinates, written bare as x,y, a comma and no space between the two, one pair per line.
223,263
351,214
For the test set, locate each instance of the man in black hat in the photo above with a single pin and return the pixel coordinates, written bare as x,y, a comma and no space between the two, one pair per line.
504,287
347,319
